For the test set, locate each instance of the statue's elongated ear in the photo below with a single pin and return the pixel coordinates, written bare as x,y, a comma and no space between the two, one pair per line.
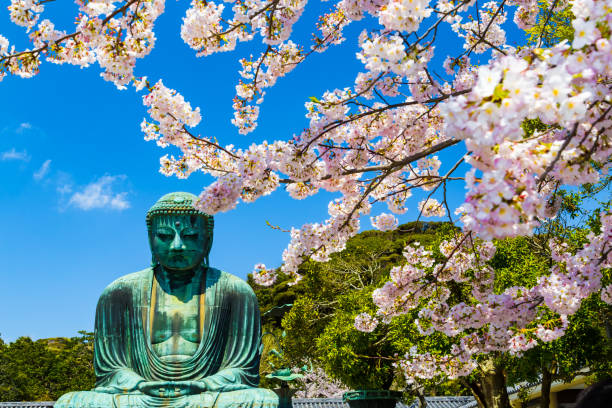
154,261
209,224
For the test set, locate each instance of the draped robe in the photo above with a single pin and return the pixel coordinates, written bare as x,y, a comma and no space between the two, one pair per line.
226,361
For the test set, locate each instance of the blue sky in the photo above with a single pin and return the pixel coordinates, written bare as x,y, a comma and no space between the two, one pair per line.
76,176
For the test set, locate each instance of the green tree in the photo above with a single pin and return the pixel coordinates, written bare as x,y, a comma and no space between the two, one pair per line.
553,24
45,369
585,345
3,369
27,368
73,368
319,326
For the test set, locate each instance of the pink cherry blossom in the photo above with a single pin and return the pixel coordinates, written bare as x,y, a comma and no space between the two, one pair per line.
432,208
264,276
365,323
317,384
384,222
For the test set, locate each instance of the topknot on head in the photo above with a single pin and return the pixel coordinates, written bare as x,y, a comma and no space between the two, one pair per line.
178,203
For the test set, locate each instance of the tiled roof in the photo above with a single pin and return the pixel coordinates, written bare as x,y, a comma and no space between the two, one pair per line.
326,403
432,402
445,402
472,404
319,403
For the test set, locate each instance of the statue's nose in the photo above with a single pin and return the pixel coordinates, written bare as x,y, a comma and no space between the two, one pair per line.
177,243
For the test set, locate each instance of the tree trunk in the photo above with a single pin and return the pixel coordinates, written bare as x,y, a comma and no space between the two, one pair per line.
422,400
476,392
493,384
545,389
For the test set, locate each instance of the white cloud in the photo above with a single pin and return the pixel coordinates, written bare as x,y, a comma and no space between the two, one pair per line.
15,155
64,189
100,194
63,182
44,169
23,126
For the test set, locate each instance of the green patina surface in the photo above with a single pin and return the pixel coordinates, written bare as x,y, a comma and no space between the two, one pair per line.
180,333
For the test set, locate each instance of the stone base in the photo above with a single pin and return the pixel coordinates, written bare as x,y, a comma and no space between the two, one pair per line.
248,398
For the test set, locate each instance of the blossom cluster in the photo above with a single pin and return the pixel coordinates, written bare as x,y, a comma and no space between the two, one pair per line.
264,276
477,36
317,384
384,222
432,208
114,37
562,87
25,13
171,113
365,322
507,321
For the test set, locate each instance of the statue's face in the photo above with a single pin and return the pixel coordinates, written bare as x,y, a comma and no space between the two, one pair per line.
179,242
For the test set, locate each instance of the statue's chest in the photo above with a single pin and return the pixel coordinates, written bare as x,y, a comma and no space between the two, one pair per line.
175,329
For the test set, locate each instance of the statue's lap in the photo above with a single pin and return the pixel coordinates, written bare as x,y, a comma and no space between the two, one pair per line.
247,398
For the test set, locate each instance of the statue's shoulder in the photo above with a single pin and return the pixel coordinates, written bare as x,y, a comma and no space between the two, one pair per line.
128,281
231,281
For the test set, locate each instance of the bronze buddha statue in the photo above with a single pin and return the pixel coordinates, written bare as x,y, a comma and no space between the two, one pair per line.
180,333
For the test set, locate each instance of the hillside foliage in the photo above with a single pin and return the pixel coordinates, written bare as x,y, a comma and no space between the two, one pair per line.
43,370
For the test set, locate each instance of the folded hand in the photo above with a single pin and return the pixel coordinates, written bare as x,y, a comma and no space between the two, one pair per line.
171,389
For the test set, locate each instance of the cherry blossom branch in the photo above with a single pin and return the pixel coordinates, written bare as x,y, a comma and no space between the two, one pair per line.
484,33
355,117
39,50
440,182
568,139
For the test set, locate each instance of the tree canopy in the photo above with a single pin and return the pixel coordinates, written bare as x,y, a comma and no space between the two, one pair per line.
45,369
320,327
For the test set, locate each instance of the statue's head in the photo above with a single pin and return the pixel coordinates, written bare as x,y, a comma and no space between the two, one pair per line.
180,235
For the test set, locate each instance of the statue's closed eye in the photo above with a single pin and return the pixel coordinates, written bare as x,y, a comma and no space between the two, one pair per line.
164,236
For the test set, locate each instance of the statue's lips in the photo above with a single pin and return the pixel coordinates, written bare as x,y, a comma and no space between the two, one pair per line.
181,256
178,256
